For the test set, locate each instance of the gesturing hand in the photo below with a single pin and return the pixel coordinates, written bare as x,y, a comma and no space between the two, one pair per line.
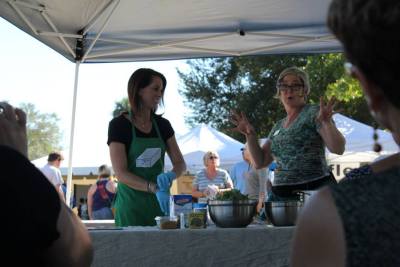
241,122
326,110
13,128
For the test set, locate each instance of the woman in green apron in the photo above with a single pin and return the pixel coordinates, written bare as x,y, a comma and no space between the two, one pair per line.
138,141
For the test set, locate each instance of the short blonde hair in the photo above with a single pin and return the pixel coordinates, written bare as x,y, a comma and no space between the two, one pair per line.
104,171
207,155
299,73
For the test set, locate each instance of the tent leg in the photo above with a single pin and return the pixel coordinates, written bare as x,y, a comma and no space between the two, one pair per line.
71,140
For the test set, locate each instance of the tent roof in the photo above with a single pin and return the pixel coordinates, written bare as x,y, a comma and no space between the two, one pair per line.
131,30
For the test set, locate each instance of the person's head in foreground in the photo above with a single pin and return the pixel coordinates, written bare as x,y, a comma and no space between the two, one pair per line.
357,222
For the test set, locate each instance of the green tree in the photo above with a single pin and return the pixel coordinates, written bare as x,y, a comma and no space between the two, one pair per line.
213,87
120,106
43,132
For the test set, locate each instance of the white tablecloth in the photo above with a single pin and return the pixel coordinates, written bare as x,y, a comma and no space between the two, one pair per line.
256,245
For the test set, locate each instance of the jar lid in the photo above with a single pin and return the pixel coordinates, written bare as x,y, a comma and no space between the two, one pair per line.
199,205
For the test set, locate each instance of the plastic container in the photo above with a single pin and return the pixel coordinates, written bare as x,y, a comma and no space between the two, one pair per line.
167,222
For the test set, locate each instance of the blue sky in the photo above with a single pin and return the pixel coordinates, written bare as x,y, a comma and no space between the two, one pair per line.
33,73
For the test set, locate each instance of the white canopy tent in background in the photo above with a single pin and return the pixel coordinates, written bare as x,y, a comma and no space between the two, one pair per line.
86,160
204,138
193,145
90,31
359,140
359,144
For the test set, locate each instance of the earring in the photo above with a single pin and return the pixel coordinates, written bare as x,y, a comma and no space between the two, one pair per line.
377,147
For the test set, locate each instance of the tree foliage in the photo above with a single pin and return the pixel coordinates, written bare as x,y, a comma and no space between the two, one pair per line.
214,87
44,135
120,107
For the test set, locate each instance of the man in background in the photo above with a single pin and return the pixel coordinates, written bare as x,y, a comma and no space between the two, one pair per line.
52,171
238,172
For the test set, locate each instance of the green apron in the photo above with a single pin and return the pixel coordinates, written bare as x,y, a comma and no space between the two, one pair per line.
134,207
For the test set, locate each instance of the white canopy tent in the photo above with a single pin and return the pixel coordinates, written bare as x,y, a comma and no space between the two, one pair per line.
359,144
90,31
359,141
86,160
204,138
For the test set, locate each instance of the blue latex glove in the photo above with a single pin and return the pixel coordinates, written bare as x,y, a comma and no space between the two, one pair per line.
163,200
164,180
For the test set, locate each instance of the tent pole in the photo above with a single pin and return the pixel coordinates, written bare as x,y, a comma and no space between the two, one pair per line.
71,139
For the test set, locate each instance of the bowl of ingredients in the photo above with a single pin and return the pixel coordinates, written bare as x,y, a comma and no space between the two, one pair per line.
283,213
231,209
167,222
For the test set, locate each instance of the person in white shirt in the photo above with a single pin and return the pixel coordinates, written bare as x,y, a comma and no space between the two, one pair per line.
52,171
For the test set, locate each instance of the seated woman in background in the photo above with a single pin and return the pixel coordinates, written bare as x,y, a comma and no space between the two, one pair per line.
211,180
101,196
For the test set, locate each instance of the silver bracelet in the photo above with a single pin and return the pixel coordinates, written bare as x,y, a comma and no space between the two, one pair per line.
148,187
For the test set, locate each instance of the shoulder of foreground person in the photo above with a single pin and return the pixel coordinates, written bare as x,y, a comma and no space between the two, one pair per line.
319,238
74,246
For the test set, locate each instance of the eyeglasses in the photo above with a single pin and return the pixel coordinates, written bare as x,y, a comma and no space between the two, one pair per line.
286,87
213,157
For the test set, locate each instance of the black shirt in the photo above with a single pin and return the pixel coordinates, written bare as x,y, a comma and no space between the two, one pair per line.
120,130
31,207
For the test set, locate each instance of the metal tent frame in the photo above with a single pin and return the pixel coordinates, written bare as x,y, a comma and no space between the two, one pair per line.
96,31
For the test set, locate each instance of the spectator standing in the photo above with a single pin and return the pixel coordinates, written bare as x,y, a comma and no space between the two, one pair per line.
83,209
101,196
238,173
52,171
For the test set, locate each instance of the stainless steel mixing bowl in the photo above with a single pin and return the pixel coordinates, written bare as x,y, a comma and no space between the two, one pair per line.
283,213
232,213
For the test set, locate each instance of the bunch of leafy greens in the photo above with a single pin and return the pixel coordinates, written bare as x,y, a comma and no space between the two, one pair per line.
233,195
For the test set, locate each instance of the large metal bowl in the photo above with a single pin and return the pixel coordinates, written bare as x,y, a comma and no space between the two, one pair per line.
232,214
283,213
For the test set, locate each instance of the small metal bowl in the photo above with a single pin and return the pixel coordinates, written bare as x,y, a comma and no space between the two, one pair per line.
283,213
232,214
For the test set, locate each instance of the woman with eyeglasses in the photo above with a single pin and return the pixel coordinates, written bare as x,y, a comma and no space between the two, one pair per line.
357,222
297,142
211,180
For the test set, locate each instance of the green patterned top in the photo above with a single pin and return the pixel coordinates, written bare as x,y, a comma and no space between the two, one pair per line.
298,150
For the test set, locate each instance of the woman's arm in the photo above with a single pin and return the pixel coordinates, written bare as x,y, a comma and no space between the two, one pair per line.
332,137
73,247
119,163
261,157
174,153
319,237
90,194
196,193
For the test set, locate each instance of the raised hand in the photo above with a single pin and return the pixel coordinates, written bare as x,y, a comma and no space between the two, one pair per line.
241,122
326,110
13,128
